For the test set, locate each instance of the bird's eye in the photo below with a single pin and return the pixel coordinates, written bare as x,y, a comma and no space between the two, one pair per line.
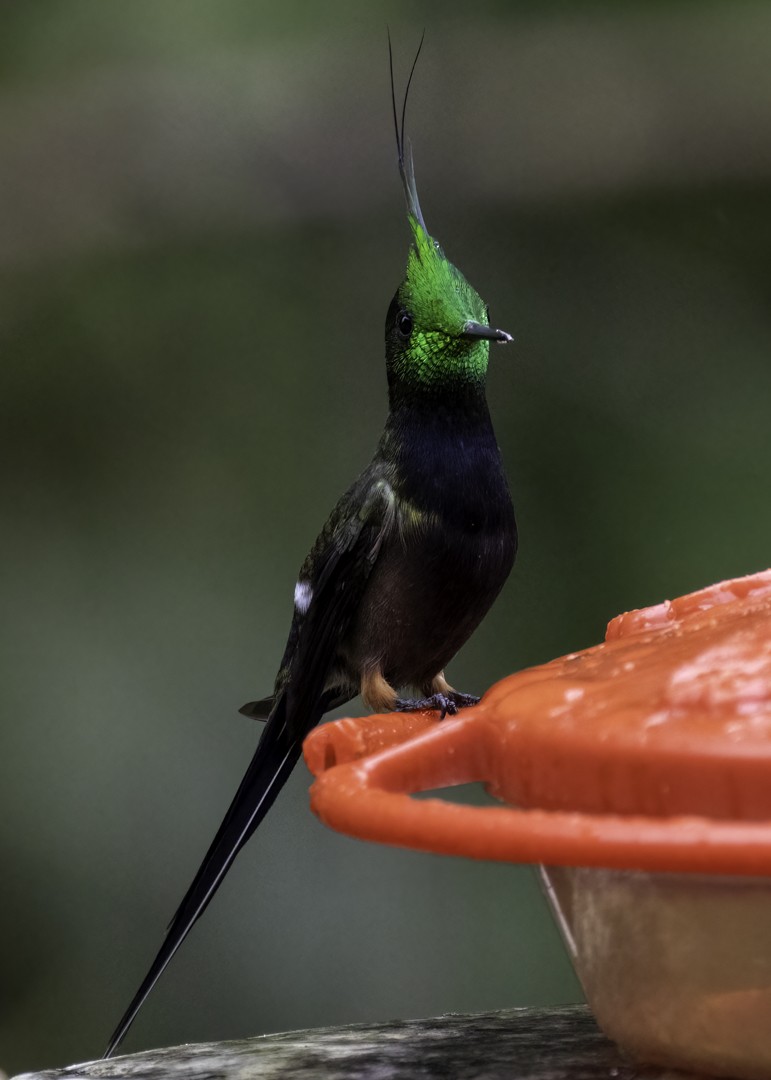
404,324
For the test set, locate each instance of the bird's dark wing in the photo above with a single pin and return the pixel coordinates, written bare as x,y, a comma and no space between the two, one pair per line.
259,710
342,560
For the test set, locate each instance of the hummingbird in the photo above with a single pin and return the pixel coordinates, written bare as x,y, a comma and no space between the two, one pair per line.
409,561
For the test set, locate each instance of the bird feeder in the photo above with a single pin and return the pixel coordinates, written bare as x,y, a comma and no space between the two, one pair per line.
637,774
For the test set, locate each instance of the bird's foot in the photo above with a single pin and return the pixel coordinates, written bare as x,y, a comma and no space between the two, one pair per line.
447,703
442,702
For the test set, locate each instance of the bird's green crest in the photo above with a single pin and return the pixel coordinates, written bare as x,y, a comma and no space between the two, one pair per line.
449,338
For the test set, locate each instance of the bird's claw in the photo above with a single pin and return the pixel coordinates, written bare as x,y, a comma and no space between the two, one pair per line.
464,701
442,702
446,704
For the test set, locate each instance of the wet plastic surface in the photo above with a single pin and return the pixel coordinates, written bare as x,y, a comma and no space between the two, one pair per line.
651,751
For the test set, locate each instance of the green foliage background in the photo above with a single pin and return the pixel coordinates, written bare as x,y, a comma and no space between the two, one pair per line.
200,230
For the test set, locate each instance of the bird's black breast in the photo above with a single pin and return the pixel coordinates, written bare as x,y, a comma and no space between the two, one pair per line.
451,468
449,554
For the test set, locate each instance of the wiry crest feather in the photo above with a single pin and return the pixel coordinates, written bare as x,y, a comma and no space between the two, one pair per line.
406,164
434,292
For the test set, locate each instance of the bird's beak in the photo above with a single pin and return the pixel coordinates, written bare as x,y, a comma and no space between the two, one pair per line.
477,330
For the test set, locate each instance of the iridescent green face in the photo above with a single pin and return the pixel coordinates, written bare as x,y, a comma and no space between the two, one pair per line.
441,320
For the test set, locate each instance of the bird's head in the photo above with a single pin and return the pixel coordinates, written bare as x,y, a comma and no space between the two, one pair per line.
437,327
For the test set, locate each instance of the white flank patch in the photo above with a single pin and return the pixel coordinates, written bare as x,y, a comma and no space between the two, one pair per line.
303,594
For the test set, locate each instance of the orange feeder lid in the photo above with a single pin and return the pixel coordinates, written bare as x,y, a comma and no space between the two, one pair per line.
651,751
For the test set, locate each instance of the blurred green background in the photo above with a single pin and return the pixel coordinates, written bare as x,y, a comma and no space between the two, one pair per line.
201,228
